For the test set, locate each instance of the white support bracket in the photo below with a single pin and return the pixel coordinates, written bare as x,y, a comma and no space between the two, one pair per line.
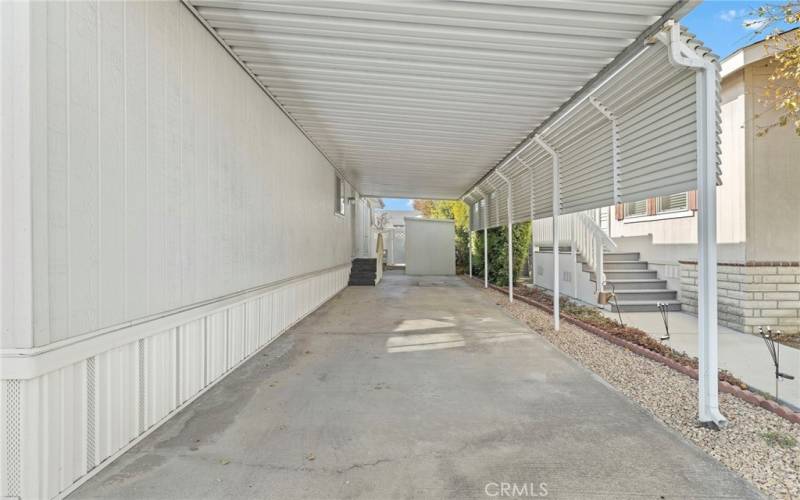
614,144
707,79
510,237
556,212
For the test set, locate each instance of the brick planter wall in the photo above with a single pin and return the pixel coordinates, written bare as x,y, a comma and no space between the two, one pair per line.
751,294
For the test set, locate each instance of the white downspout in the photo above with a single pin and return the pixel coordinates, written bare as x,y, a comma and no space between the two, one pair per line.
510,237
681,55
556,213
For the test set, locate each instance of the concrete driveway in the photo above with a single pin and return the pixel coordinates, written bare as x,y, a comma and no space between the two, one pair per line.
417,388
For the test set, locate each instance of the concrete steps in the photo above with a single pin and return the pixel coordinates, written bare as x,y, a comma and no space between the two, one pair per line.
645,305
636,286
620,256
633,284
658,295
629,274
363,272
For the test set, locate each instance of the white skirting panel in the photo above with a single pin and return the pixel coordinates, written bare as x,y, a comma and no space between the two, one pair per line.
61,425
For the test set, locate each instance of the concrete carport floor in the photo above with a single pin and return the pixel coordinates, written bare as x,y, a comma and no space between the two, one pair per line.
416,388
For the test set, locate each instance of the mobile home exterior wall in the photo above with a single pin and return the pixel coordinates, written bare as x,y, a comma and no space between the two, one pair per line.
165,220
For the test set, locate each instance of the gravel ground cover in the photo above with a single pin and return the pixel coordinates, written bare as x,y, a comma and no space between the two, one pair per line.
762,447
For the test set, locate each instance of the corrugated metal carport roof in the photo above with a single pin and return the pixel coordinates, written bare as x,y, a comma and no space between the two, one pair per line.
422,99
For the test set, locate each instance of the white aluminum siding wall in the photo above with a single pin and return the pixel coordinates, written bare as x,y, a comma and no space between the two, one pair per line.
165,176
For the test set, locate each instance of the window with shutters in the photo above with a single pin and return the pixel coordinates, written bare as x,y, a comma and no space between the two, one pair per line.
672,203
671,206
636,208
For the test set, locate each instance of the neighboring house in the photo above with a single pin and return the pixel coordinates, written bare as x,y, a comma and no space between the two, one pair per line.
758,223
395,234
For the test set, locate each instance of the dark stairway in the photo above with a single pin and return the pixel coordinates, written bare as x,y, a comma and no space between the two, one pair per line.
363,272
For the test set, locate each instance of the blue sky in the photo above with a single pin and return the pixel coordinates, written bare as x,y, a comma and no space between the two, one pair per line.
398,204
718,23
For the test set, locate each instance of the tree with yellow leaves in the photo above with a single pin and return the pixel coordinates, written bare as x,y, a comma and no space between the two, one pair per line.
782,93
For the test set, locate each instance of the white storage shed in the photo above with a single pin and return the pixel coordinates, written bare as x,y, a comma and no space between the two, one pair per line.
430,247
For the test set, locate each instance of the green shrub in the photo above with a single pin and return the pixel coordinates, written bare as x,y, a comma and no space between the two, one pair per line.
498,251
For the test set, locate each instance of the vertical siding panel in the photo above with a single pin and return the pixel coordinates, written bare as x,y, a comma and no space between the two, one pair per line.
236,334
112,164
31,441
202,206
57,171
105,399
188,161
253,325
65,432
50,412
136,153
39,159
216,349
156,220
191,373
172,167
83,167
215,197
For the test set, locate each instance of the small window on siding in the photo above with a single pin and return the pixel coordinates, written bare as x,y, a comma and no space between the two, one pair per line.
672,203
340,194
636,208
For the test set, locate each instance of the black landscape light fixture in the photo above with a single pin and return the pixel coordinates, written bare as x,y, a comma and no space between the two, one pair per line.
774,352
663,308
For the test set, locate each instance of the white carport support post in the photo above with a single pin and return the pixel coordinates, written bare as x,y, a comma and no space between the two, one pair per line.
573,252
469,250
485,202
556,213
510,238
599,272
706,84
469,242
533,234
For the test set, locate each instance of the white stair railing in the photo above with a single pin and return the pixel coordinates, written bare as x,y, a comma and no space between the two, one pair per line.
581,232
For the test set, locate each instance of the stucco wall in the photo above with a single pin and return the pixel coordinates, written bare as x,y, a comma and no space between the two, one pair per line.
573,281
162,175
674,239
430,247
773,179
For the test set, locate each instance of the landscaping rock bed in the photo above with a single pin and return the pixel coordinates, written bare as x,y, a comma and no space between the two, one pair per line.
758,444
593,317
